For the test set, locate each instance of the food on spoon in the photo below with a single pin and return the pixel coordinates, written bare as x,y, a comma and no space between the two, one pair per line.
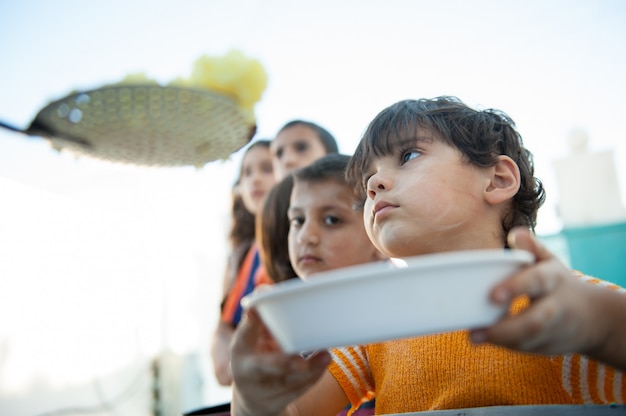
235,75
204,117
138,78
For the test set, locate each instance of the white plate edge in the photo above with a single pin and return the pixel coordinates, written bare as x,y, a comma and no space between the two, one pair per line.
346,274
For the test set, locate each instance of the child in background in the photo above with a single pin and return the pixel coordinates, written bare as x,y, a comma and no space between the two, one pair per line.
438,176
326,226
320,212
256,177
326,231
297,144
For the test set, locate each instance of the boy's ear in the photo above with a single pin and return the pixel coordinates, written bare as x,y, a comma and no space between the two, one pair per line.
504,182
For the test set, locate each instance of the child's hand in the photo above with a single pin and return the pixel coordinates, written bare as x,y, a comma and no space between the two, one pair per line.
266,379
565,314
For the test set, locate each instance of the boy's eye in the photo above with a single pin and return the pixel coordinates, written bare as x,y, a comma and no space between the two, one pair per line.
409,155
331,220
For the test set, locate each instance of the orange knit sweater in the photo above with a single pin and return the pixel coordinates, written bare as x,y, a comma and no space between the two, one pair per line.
446,371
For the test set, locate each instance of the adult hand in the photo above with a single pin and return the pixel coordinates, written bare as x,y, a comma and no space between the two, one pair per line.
565,314
266,380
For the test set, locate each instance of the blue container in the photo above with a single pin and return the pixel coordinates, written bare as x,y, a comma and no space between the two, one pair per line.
599,251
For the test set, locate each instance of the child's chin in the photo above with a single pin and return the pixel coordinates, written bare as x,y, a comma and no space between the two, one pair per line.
309,273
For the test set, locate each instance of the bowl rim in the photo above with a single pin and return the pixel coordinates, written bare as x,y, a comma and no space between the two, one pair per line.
363,272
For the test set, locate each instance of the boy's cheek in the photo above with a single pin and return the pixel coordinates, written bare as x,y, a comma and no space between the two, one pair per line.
367,213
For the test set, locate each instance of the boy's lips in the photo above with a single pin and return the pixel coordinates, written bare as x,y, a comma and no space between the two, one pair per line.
382,207
308,259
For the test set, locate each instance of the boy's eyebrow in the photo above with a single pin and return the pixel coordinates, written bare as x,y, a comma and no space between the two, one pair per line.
407,141
323,208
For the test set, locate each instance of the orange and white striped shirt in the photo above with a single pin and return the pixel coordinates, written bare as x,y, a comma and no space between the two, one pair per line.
447,371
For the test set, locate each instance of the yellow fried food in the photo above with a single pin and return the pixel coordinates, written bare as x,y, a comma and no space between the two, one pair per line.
235,75
242,78
138,78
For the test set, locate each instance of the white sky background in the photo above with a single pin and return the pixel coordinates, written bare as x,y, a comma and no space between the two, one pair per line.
551,65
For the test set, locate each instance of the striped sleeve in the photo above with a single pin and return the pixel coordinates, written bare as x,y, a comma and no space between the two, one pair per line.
351,369
588,381
599,282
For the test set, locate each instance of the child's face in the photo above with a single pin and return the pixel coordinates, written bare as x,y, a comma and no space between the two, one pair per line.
326,232
295,147
257,177
424,198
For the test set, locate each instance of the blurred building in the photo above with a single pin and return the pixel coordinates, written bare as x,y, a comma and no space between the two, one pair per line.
591,208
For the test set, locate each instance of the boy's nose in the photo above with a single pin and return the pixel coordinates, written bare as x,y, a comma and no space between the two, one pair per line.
376,183
308,234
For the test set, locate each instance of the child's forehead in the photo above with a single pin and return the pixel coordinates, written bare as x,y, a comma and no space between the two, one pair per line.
255,155
295,134
324,191
319,185
385,145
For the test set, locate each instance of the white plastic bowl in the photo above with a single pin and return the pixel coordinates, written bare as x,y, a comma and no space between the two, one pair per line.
382,301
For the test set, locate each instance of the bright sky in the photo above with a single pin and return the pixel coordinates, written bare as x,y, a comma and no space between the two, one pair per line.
553,66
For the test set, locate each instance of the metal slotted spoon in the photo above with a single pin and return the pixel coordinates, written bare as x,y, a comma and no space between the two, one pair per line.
147,125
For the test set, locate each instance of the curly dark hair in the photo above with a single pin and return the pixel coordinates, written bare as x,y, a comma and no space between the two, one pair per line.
481,136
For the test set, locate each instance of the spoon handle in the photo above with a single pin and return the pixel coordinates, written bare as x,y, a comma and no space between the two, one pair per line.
36,129
10,127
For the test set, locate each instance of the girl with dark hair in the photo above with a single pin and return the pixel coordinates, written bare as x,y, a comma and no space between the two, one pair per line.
299,143
243,271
